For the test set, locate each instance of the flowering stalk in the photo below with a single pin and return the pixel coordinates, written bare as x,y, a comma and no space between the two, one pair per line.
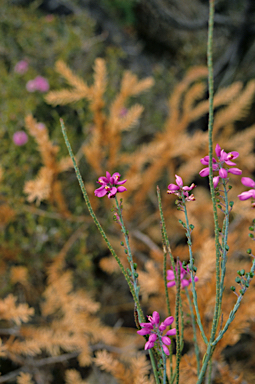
86,198
208,353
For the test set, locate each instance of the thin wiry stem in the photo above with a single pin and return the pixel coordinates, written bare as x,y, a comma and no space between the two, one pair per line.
193,321
193,288
209,350
177,311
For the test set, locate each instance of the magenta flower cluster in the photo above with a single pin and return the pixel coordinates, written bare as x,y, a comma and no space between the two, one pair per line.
39,84
110,185
222,159
156,331
178,189
184,276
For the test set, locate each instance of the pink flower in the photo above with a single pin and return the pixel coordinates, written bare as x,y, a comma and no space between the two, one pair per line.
178,188
109,185
38,84
247,182
156,331
184,275
21,67
20,138
223,158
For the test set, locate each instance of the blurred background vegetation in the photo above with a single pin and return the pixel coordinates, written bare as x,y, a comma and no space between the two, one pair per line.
157,38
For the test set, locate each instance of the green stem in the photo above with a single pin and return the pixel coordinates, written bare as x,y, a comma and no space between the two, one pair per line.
177,309
167,299
166,243
193,320
182,325
224,245
130,256
193,288
154,367
209,351
209,375
237,305
166,249
210,139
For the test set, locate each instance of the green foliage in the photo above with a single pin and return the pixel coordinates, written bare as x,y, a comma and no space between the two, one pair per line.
122,9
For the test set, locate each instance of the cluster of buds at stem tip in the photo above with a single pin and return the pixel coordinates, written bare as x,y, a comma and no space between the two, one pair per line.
243,280
223,159
181,191
155,332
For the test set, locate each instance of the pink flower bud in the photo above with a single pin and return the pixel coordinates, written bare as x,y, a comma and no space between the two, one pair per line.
248,182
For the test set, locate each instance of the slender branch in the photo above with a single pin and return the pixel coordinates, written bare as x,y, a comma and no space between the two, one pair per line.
193,288
177,311
237,305
193,321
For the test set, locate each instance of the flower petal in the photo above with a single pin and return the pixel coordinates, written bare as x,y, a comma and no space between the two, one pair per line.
228,162
166,340
121,189
223,173
112,192
148,345
216,180
173,187
165,349
218,150
204,172
108,176
162,327
170,284
100,192
153,337
171,332
121,182
232,155
179,181
170,274
144,331
247,195
248,182
147,325
155,317
235,171
168,321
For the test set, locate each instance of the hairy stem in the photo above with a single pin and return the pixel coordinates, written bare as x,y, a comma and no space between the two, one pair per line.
193,320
